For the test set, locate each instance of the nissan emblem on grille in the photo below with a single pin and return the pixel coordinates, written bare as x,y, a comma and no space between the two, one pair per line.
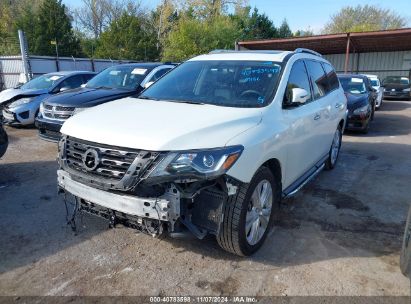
91,159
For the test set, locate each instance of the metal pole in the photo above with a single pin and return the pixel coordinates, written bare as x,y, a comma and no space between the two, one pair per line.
347,53
24,55
75,64
57,57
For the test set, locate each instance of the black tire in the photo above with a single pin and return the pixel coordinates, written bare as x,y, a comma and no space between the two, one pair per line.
405,258
4,141
329,164
232,236
366,128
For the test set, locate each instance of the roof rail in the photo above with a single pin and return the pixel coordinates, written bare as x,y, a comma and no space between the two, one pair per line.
246,51
221,51
308,51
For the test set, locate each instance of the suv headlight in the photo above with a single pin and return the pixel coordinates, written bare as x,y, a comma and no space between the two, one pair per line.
362,110
406,90
198,163
21,101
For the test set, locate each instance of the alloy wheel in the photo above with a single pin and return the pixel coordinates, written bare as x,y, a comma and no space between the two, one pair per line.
259,212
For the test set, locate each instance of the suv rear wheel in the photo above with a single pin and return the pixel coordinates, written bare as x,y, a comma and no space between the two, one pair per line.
248,215
334,150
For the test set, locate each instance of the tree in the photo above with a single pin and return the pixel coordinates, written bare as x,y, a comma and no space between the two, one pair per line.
192,37
301,33
255,26
284,30
128,37
94,16
15,15
163,19
54,25
206,9
364,18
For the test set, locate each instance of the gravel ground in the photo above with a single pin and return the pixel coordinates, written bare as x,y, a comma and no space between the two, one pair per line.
340,236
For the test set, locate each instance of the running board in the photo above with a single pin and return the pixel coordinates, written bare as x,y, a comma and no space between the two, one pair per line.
291,192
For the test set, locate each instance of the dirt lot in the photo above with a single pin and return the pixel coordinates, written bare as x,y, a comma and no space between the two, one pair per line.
340,236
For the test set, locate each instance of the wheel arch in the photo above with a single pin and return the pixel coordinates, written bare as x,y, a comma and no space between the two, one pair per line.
342,124
274,166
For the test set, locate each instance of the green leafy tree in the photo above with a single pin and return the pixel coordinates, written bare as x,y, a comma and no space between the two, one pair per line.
284,30
27,21
14,15
255,26
54,25
192,37
364,18
128,37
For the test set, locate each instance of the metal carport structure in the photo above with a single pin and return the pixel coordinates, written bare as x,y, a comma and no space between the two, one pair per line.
347,45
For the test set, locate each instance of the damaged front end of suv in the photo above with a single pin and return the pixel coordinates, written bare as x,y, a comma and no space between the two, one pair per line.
152,191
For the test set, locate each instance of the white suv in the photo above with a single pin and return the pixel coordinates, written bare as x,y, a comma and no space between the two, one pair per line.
212,147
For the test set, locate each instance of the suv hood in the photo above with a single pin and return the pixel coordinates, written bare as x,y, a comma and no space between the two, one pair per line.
160,125
10,94
87,97
355,101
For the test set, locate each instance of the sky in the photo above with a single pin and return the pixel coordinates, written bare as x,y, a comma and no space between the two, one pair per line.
304,14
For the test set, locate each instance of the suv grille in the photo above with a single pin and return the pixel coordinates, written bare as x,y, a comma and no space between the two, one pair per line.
57,112
112,163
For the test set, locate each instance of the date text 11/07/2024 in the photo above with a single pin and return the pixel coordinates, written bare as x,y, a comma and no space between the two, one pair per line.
203,299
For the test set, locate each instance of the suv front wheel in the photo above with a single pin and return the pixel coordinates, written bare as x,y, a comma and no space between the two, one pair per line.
248,215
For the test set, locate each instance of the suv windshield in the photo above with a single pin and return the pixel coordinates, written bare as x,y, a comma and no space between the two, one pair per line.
223,83
353,85
119,77
396,80
42,82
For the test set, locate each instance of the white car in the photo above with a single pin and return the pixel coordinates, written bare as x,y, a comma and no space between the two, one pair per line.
376,84
212,147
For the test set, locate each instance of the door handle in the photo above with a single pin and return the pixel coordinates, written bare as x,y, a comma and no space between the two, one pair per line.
317,117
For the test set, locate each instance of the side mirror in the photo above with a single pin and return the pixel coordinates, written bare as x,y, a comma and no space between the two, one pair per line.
148,84
299,96
83,85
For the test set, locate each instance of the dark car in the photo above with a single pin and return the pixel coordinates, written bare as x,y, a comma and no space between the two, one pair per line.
360,101
396,87
4,140
113,83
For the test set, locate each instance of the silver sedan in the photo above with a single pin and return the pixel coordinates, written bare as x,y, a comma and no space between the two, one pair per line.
21,105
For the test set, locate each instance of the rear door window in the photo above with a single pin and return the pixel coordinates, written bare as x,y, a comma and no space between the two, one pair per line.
72,82
318,78
87,77
333,82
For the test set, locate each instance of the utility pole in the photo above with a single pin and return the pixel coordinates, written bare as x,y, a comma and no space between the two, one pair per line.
25,55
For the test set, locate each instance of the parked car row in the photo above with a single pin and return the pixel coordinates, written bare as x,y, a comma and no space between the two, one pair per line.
365,95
